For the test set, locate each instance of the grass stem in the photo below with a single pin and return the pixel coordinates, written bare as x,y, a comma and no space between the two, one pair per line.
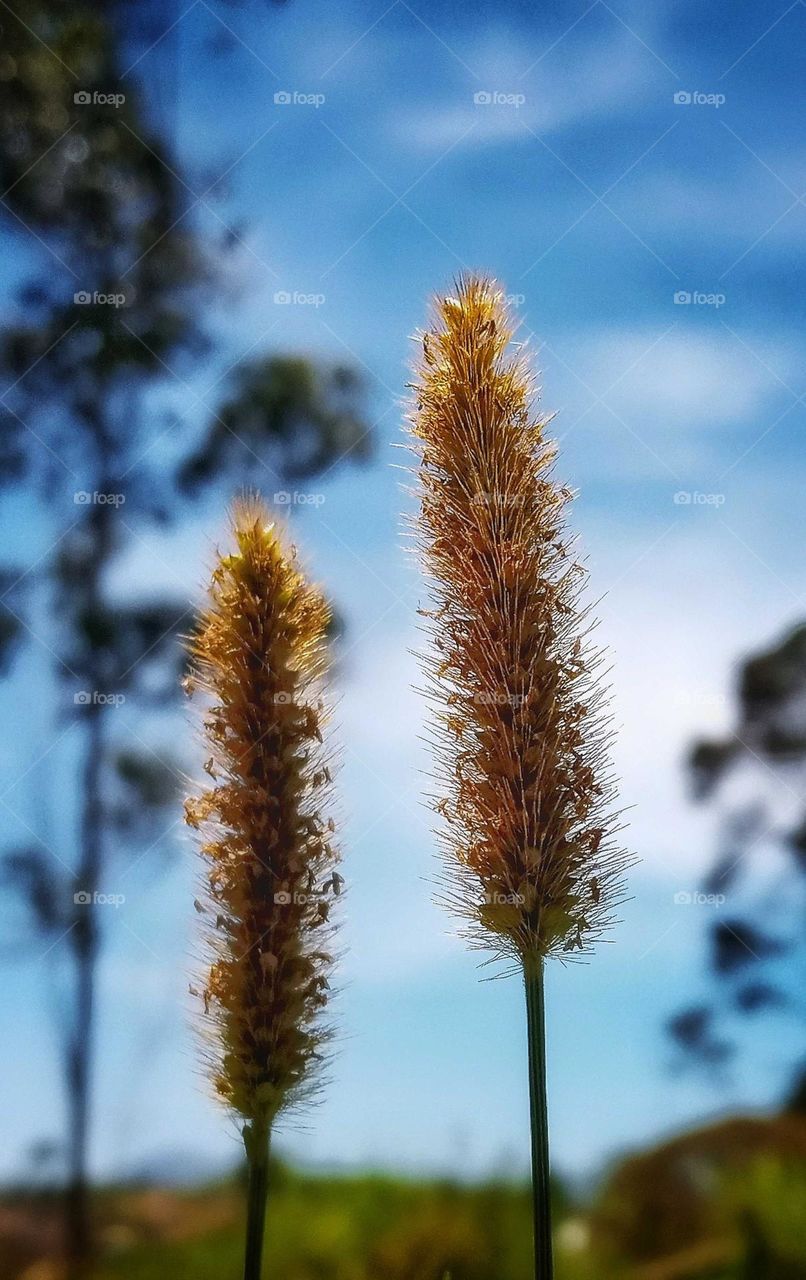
538,1110
256,1141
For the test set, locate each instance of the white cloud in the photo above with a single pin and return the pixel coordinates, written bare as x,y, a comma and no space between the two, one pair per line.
579,80
683,604
688,205
689,378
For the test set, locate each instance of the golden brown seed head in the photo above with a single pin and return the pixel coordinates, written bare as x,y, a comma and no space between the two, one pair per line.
522,746
260,653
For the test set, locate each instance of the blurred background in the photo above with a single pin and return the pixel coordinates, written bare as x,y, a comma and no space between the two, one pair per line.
221,222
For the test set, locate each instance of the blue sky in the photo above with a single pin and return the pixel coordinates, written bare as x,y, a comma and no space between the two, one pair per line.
596,197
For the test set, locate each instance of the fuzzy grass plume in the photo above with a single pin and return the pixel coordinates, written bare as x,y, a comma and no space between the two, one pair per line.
527,797
260,653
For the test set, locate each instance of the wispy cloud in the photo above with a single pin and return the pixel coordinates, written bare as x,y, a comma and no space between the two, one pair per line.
657,377
510,101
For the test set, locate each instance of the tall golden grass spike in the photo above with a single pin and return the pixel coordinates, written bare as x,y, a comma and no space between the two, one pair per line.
527,797
260,653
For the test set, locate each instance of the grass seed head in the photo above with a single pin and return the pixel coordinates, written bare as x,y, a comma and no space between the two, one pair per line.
260,654
522,742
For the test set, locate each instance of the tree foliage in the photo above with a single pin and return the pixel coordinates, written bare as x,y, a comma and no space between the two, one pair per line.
755,775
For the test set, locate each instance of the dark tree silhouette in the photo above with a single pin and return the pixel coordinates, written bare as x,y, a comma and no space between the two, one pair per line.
115,279
757,775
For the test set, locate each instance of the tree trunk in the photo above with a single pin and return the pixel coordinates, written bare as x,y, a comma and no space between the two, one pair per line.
77,1207
85,935
84,939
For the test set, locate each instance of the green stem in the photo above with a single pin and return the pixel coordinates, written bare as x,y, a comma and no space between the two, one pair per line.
538,1110
256,1142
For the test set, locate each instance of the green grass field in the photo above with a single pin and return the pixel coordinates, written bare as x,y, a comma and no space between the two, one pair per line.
727,1202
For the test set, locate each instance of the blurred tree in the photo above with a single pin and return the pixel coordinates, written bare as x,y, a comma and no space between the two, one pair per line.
112,277
722,1200
757,943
